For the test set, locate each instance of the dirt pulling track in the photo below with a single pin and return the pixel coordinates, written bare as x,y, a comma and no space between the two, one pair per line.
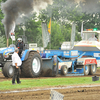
84,92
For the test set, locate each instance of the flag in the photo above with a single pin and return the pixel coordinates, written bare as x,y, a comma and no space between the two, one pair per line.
45,35
49,27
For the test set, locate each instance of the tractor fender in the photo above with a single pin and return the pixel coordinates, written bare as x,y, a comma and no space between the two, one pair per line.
86,61
26,54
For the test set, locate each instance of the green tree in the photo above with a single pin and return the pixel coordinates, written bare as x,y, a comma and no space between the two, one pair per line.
63,13
33,31
2,31
56,36
2,41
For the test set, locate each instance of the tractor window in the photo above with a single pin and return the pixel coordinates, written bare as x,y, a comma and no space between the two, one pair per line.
90,36
12,45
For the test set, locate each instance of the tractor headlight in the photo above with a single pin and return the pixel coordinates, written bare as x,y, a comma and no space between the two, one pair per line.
6,55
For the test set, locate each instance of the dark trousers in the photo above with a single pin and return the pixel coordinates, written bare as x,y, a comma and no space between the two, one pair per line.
19,53
16,75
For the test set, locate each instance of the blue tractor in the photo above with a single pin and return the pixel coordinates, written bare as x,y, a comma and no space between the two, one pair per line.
31,61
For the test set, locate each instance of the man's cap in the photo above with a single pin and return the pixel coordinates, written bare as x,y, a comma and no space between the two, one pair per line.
16,49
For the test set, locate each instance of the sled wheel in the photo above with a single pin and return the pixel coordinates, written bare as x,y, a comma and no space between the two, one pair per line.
64,70
86,69
93,69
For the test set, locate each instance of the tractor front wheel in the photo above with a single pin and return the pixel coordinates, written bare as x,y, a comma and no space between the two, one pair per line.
8,70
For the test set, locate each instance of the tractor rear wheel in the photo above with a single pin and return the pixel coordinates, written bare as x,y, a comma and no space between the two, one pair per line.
93,69
32,67
8,70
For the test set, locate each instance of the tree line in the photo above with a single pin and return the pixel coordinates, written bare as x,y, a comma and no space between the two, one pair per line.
62,13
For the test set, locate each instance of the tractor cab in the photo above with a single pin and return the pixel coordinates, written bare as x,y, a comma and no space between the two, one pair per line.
24,40
90,41
90,36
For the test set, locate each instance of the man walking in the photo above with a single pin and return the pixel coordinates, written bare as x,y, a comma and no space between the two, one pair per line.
16,63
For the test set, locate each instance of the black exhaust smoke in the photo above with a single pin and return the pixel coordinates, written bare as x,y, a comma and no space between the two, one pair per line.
14,9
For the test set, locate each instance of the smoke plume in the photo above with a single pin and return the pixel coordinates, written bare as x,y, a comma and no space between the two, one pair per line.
88,6
14,9
91,6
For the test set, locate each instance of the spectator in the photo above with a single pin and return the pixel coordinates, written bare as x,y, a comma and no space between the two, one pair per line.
16,63
43,55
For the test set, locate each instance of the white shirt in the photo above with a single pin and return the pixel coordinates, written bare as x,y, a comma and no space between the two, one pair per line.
16,59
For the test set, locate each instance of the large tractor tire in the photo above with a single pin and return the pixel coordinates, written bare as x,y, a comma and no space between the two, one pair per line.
8,70
93,69
86,69
32,67
64,70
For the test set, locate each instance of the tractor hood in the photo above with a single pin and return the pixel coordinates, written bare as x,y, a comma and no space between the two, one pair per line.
7,50
87,46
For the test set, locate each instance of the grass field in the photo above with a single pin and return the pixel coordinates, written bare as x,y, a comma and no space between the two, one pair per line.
34,82
31,83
